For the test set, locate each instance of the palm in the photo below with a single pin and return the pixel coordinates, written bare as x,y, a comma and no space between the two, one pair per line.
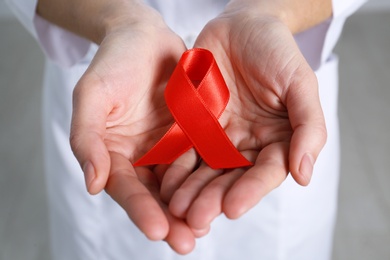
137,112
264,71
258,78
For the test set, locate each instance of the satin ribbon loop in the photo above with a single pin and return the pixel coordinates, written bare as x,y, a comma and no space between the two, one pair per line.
196,95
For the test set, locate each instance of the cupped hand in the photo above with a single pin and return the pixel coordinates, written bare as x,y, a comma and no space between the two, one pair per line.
274,118
119,111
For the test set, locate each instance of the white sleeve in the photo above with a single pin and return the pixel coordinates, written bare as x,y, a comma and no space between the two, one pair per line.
317,43
60,45
342,9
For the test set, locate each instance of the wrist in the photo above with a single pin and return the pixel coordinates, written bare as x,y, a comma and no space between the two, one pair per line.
132,16
94,19
297,15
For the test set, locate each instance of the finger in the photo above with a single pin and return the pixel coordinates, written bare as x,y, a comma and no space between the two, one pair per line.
269,171
189,190
308,124
208,205
135,194
180,237
87,134
177,173
160,170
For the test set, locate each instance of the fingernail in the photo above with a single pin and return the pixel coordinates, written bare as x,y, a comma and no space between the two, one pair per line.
89,174
306,167
198,233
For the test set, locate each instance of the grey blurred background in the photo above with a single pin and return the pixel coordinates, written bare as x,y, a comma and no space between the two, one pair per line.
363,225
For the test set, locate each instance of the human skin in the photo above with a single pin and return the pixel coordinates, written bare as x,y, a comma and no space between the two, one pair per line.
274,115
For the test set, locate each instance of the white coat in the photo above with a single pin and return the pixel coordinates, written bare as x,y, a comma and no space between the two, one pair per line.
292,222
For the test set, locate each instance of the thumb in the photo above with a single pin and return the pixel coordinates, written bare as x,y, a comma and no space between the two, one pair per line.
90,110
308,124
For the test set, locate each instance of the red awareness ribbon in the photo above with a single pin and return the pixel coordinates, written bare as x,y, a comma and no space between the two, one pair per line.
196,95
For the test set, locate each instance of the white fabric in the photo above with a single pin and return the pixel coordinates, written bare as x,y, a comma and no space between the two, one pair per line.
58,44
292,222
186,19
